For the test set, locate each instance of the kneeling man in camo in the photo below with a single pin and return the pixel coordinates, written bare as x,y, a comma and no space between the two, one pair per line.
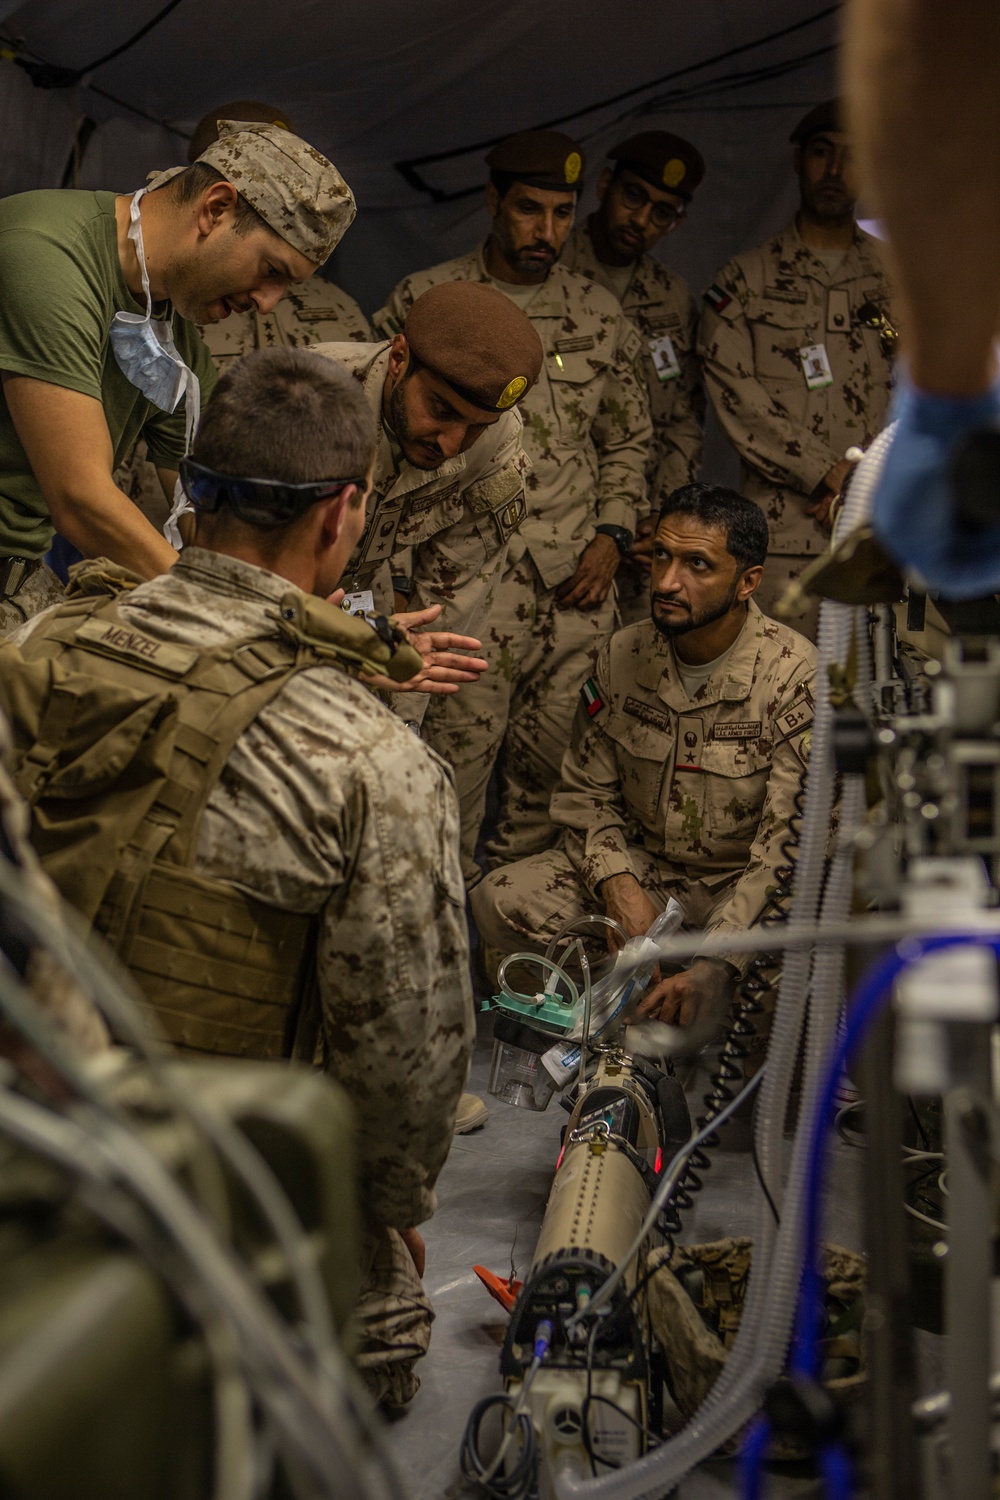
688,750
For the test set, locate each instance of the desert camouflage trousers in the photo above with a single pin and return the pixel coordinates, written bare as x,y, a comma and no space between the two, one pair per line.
519,715
40,589
393,1319
519,907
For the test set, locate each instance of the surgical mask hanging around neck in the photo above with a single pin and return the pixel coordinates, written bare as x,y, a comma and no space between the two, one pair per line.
145,350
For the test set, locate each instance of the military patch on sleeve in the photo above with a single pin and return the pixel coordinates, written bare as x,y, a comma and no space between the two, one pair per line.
592,700
717,299
497,490
801,744
796,718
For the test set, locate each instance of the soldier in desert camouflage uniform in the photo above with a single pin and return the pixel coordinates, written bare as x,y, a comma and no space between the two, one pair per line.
449,476
643,199
795,368
586,432
329,818
687,752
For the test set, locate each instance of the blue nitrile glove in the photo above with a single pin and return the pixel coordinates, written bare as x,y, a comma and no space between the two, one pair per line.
914,511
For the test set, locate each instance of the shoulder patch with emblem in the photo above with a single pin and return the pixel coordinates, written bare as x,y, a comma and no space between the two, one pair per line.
717,299
592,700
801,743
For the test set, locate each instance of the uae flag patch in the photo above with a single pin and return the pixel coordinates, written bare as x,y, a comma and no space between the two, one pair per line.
592,700
717,299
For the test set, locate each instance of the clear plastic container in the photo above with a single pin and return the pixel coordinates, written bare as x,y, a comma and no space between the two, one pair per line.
519,1077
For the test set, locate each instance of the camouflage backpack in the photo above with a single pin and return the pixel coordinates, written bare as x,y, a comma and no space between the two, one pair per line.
119,738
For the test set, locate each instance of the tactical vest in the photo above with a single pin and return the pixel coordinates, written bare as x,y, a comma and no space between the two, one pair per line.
119,739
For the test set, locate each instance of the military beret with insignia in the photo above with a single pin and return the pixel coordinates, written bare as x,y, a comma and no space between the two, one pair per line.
826,116
477,340
540,158
663,160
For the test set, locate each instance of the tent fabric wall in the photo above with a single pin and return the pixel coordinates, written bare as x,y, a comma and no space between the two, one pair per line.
371,83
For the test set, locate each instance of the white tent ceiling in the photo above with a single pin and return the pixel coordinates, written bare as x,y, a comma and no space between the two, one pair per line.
374,82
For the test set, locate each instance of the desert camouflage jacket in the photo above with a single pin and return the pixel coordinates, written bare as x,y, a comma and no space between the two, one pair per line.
452,523
767,310
705,783
329,805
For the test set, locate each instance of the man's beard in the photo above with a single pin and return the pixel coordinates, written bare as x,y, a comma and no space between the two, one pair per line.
404,437
516,256
708,616
835,209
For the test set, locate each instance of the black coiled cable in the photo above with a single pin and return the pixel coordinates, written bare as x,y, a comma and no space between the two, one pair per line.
760,977
521,1481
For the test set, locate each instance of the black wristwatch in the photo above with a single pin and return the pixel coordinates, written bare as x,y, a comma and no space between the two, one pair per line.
620,535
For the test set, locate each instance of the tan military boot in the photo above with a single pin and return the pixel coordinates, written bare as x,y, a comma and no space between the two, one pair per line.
472,1114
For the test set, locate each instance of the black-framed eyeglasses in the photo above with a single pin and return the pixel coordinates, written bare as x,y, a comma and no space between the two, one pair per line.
260,502
663,215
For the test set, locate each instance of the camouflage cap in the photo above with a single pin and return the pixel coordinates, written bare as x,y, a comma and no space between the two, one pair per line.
663,160
541,158
296,191
477,340
826,116
207,129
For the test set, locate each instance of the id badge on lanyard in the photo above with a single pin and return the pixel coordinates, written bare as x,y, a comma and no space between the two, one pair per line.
664,357
815,364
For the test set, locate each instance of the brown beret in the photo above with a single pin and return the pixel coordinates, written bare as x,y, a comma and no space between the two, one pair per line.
663,160
477,340
541,158
206,132
827,116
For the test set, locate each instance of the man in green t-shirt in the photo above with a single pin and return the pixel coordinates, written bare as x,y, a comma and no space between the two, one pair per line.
99,295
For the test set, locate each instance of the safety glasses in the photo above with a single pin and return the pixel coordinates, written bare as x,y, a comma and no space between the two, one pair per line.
259,502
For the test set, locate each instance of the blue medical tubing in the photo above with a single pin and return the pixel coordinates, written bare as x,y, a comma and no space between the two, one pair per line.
751,1460
873,989
835,1466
